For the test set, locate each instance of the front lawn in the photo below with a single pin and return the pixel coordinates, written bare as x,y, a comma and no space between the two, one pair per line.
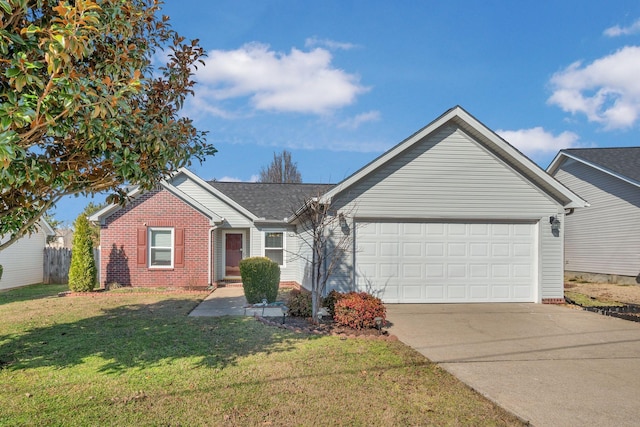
137,359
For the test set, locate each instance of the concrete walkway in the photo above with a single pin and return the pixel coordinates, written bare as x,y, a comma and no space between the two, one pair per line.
230,302
550,365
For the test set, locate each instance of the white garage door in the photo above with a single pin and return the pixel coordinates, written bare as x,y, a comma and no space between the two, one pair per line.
411,262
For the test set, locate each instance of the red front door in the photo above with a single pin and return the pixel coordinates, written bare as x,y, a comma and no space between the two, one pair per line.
233,254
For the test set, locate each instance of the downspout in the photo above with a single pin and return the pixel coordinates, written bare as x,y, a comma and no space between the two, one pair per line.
210,257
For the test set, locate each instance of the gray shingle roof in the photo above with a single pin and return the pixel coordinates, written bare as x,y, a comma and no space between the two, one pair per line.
624,161
269,200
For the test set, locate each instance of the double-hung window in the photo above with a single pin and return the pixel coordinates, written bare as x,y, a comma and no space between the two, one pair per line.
161,244
274,246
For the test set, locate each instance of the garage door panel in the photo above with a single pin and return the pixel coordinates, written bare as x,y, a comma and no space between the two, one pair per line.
479,249
522,250
457,250
435,249
456,291
447,262
412,271
412,249
479,271
500,292
479,292
412,292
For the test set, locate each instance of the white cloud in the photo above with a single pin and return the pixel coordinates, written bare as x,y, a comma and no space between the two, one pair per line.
330,44
617,30
607,91
226,178
538,141
304,82
355,122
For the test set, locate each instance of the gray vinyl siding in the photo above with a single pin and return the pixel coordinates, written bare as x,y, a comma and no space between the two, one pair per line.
290,271
304,257
233,218
450,176
605,237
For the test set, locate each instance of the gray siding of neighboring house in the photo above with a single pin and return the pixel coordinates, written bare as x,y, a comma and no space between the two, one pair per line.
605,237
23,261
450,176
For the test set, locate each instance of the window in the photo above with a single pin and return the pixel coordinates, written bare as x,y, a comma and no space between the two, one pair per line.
161,247
274,246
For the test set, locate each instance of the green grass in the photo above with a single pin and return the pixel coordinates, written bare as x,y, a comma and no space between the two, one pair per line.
587,301
122,359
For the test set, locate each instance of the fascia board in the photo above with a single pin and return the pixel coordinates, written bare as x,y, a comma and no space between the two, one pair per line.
46,227
113,207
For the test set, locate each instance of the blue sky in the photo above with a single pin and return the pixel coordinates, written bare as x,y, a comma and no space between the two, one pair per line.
339,82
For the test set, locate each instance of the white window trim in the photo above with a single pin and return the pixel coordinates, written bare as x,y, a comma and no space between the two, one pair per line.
284,244
173,248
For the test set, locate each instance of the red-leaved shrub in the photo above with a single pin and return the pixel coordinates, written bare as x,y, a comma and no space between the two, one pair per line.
358,310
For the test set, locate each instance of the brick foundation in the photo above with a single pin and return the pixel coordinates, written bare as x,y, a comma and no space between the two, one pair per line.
553,301
119,260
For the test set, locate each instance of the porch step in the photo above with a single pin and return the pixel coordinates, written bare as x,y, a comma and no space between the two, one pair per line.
229,283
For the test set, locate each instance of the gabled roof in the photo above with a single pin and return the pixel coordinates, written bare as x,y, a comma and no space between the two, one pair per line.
270,201
137,191
621,162
492,141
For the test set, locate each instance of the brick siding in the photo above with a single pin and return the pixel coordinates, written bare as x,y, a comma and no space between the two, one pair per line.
158,208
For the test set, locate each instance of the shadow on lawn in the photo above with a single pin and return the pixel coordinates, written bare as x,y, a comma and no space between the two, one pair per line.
142,336
30,293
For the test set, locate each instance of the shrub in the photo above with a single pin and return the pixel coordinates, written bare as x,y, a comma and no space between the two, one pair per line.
299,303
1,270
260,279
358,310
330,301
82,272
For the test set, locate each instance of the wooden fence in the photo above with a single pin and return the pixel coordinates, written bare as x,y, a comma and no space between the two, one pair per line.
57,262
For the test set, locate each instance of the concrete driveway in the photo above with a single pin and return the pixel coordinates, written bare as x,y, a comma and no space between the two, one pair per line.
550,365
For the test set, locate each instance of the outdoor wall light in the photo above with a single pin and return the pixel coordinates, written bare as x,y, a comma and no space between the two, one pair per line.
343,223
342,220
555,223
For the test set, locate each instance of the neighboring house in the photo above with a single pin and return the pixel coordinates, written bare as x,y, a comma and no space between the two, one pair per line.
23,260
605,238
63,239
452,214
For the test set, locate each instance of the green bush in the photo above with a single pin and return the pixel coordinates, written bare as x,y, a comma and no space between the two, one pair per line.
1,271
260,279
82,272
299,303
359,310
330,301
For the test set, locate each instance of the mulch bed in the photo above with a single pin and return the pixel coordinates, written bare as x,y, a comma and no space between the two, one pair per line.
325,327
